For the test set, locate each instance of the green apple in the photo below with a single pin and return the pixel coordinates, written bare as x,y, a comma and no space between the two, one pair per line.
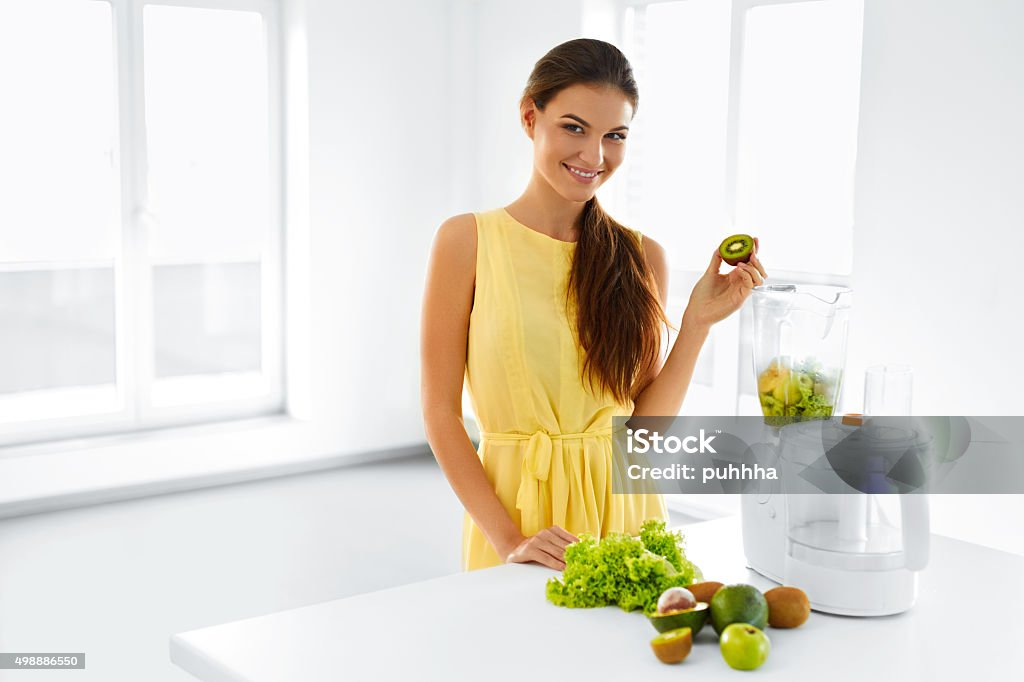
744,647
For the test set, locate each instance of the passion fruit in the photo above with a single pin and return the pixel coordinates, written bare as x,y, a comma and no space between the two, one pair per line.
675,599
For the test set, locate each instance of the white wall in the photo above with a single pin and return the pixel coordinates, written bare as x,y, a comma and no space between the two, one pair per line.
939,209
938,221
510,38
381,107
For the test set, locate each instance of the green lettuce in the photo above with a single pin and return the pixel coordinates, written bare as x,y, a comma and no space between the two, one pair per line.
622,570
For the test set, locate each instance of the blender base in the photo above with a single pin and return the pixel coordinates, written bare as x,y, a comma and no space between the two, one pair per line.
854,593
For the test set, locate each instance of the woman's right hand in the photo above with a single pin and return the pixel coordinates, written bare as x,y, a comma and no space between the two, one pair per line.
546,547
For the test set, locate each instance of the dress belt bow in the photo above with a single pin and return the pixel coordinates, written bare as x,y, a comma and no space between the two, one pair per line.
536,469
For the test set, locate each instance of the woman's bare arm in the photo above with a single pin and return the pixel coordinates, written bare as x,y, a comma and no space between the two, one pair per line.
444,332
665,384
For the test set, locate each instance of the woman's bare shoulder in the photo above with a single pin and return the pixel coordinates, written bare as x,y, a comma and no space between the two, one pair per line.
458,233
654,251
455,246
658,260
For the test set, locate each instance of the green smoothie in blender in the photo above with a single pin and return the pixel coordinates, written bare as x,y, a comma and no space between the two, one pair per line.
789,394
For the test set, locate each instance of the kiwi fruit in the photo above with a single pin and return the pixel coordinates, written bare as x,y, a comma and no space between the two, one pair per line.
737,249
705,590
673,646
788,607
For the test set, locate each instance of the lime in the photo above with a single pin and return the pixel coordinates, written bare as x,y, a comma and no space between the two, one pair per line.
738,604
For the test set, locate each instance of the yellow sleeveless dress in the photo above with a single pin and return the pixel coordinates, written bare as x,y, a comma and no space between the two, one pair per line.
546,442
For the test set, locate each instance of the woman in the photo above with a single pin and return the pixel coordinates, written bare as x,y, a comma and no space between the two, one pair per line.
552,312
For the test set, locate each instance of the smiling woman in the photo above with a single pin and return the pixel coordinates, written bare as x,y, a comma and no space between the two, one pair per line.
618,313
552,312
587,175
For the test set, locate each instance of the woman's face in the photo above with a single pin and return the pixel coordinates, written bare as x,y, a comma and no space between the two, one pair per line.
579,139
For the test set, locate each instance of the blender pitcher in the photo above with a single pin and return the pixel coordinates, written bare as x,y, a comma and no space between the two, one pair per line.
799,349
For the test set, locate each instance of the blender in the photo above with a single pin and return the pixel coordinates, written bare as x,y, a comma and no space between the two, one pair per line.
799,349
852,553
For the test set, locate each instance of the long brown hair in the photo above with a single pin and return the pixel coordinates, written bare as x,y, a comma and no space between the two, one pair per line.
611,285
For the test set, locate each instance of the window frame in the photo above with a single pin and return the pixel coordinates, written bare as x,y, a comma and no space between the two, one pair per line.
133,272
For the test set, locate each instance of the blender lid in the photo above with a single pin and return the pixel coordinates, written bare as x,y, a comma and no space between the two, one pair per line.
832,295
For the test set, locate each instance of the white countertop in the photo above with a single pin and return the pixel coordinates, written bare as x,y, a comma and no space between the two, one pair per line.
496,624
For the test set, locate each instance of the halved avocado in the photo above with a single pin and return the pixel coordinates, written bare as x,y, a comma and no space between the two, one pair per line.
693,618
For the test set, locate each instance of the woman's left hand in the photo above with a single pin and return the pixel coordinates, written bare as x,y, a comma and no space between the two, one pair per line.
717,296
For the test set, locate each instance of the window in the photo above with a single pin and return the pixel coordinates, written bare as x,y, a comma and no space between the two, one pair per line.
747,123
140,226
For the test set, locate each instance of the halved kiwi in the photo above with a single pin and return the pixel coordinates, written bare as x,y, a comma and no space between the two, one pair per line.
737,249
673,646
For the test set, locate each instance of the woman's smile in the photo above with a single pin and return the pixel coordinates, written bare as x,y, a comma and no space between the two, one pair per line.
582,175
